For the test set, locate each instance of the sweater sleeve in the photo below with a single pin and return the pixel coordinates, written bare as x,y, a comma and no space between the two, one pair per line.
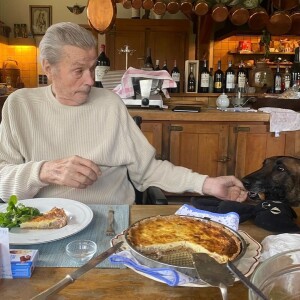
16,177
147,171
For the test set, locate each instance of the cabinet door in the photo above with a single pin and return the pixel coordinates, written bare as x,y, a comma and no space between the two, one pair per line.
254,143
116,40
200,147
168,39
153,133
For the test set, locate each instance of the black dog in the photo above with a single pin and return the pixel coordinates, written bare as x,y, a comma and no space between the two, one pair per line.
278,179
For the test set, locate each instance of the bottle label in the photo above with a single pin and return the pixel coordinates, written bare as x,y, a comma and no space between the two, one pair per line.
176,76
218,85
100,72
204,80
278,83
287,82
242,80
230,81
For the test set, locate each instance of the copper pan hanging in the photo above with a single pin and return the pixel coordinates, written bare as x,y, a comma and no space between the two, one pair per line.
159,7
173,7
285,4
148,4
238,15
201,7
295,16
101,14
258,19
186,6
219,12
279,23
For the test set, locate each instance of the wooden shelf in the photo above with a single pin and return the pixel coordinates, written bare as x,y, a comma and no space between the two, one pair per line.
21,42
259,53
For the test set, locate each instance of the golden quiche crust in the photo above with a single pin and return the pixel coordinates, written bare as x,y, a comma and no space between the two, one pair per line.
169,233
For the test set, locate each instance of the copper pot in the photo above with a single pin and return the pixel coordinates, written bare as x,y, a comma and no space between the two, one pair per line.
201,7
280,23
186,6
136,4
285,4
173,7
258,18
159,7
238,15
295,16
219,12
148,4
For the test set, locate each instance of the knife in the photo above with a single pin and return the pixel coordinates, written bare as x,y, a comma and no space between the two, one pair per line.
70,278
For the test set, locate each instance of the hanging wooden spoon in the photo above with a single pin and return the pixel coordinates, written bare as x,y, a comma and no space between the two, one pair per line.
101,14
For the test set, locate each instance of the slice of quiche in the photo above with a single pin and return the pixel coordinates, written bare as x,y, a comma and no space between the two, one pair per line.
52,219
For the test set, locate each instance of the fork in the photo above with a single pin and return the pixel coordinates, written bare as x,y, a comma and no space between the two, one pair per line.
110,224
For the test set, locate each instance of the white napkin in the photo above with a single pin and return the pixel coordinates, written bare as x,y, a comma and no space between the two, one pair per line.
125,89
230,219
274,244
282,119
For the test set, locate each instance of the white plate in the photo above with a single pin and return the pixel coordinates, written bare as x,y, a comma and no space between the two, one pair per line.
246,264
79,216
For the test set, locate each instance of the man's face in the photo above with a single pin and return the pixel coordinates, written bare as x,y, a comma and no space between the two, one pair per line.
73,77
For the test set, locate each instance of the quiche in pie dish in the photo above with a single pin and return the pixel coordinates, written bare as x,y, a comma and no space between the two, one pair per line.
161,235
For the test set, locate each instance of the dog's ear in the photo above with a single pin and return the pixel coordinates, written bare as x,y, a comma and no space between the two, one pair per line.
276,216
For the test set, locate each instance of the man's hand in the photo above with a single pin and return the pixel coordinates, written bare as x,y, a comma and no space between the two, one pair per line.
74,171
225,188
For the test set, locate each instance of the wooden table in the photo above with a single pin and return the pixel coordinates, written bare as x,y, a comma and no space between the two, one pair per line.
121,283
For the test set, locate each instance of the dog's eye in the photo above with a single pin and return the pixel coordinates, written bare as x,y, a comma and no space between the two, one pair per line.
281,169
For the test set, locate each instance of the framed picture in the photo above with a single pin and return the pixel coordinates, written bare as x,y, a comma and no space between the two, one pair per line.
40,18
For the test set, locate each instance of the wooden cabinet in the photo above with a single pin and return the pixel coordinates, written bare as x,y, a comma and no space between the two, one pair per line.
200,147
254,143
217,143
168,40
153,133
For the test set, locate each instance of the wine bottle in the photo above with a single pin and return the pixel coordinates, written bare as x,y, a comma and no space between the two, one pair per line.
229,79
102,67
148,65
165,66
175,74
157,68
286,79
277,81
295,71
191,84
211,80
204,79
241,78
218,79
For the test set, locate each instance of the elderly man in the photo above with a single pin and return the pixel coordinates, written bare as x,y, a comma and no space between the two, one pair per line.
74,141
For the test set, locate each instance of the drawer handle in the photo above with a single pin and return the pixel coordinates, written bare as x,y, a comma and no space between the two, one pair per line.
224,159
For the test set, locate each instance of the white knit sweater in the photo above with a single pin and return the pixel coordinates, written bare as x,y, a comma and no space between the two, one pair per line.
36,128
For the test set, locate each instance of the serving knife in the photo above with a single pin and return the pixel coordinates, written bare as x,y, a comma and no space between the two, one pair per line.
70,278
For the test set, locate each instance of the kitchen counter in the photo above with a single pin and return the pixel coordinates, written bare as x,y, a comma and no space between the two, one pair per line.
206,114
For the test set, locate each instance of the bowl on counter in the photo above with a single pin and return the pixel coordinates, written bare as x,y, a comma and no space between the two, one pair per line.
278,277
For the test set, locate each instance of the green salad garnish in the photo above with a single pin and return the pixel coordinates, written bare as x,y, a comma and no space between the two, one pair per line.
17,213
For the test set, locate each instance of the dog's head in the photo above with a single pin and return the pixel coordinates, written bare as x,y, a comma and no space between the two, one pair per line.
278,179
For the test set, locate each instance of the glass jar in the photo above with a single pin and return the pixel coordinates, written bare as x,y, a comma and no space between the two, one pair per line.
261,77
